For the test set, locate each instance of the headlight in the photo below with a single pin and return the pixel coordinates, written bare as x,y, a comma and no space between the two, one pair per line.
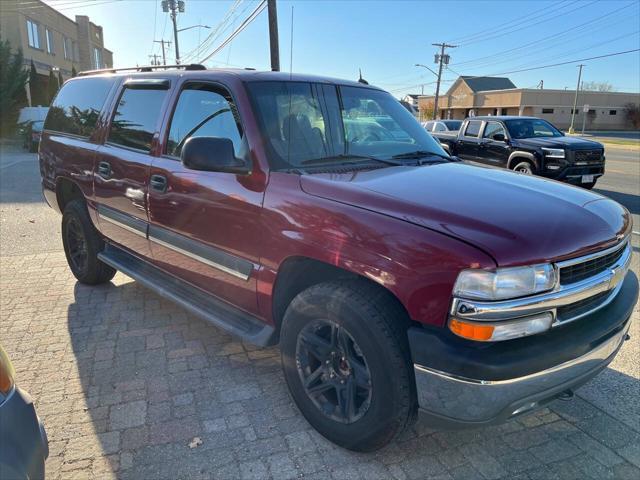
553,152
505,283
7,374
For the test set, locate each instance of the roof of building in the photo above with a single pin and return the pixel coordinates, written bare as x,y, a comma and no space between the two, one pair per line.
483,84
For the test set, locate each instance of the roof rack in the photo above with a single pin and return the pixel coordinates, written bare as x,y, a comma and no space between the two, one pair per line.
145,68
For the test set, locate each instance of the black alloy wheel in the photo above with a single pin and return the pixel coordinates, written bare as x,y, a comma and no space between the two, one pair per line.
333,371
77,245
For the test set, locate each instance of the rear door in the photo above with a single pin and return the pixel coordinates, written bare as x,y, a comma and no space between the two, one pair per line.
468,141
122,170
204,226
493,148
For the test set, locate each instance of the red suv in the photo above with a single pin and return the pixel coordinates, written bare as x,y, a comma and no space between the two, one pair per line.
319,215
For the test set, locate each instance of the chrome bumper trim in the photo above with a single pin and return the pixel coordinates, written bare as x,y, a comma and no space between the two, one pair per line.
563,295
466,400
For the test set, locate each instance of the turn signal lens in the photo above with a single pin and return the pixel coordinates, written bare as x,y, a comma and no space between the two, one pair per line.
498,331
472,331
6,373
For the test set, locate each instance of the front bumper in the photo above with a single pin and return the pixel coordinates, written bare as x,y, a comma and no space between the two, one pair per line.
460,383
24,446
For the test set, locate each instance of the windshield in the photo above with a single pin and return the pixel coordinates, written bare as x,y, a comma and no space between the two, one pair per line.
531,128
308,123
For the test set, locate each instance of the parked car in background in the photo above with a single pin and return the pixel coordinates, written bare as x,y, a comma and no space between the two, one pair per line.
31,135
392,276
442,125
527,145
23,442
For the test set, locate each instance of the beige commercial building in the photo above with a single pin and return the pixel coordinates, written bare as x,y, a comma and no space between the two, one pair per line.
51,40
469,96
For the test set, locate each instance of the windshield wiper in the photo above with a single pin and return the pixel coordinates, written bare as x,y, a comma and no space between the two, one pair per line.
419,154
320,161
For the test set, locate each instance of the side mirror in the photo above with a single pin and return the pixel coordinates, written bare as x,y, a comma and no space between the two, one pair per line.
499,137
211,154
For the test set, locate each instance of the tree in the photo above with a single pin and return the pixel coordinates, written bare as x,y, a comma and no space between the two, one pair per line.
426,110
60,79
632,114
597,87
74,73
13,79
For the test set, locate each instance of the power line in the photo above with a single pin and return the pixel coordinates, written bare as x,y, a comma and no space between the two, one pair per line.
543,39
237,31
509,24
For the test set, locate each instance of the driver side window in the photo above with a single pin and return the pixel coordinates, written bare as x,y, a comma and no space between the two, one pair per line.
203,111
492,129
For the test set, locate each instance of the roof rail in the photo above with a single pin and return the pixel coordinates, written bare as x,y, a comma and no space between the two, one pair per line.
145,68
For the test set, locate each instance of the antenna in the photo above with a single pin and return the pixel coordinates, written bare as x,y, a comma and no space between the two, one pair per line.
362,80
291,47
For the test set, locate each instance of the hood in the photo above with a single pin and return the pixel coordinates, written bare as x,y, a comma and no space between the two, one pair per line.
516,219
571,143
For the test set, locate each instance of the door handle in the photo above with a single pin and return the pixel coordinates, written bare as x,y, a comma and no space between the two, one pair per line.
104,169
158,183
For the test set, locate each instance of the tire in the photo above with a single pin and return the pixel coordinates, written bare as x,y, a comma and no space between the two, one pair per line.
588,186
371,328
82,243
524,167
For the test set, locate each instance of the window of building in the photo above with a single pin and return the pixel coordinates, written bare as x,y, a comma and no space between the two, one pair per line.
473,128
576,111
547,110
49,37
33,34
613,112
77,106
67,46
97,58
203,111
136,118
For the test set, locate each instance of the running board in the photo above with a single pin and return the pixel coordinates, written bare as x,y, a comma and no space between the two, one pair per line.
191,298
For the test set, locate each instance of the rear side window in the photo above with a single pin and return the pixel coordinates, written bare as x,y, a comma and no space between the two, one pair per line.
77,107
473,128
136,117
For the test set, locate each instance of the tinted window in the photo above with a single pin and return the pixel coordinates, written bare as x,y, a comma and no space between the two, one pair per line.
77,106
439,127
531,128
136,117
203,112
473,128
453,124
492,129
429,126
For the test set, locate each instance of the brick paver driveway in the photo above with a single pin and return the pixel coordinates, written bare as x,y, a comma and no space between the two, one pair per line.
126,381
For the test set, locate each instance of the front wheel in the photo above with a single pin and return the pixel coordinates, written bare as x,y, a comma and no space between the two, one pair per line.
82,243
524,167
346,360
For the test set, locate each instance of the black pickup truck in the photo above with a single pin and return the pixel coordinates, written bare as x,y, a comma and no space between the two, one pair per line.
527,145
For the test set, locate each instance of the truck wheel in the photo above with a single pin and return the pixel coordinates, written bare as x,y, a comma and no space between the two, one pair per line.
82,243
588,186
524,166
346,360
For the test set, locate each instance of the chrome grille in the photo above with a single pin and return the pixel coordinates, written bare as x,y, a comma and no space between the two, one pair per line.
578,309
581,271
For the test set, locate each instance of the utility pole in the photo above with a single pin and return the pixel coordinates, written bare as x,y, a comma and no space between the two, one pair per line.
575,99
163,43
173,7
274,44
442,59
154,59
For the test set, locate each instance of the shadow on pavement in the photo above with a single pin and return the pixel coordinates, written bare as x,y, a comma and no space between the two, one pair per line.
629,200
155,379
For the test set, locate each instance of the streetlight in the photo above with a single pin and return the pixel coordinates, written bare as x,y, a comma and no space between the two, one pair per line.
424,66
193,26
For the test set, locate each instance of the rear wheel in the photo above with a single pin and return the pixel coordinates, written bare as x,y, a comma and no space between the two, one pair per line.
524,166
346,361
82,243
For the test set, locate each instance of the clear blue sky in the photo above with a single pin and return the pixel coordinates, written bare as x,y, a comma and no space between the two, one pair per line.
386,38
